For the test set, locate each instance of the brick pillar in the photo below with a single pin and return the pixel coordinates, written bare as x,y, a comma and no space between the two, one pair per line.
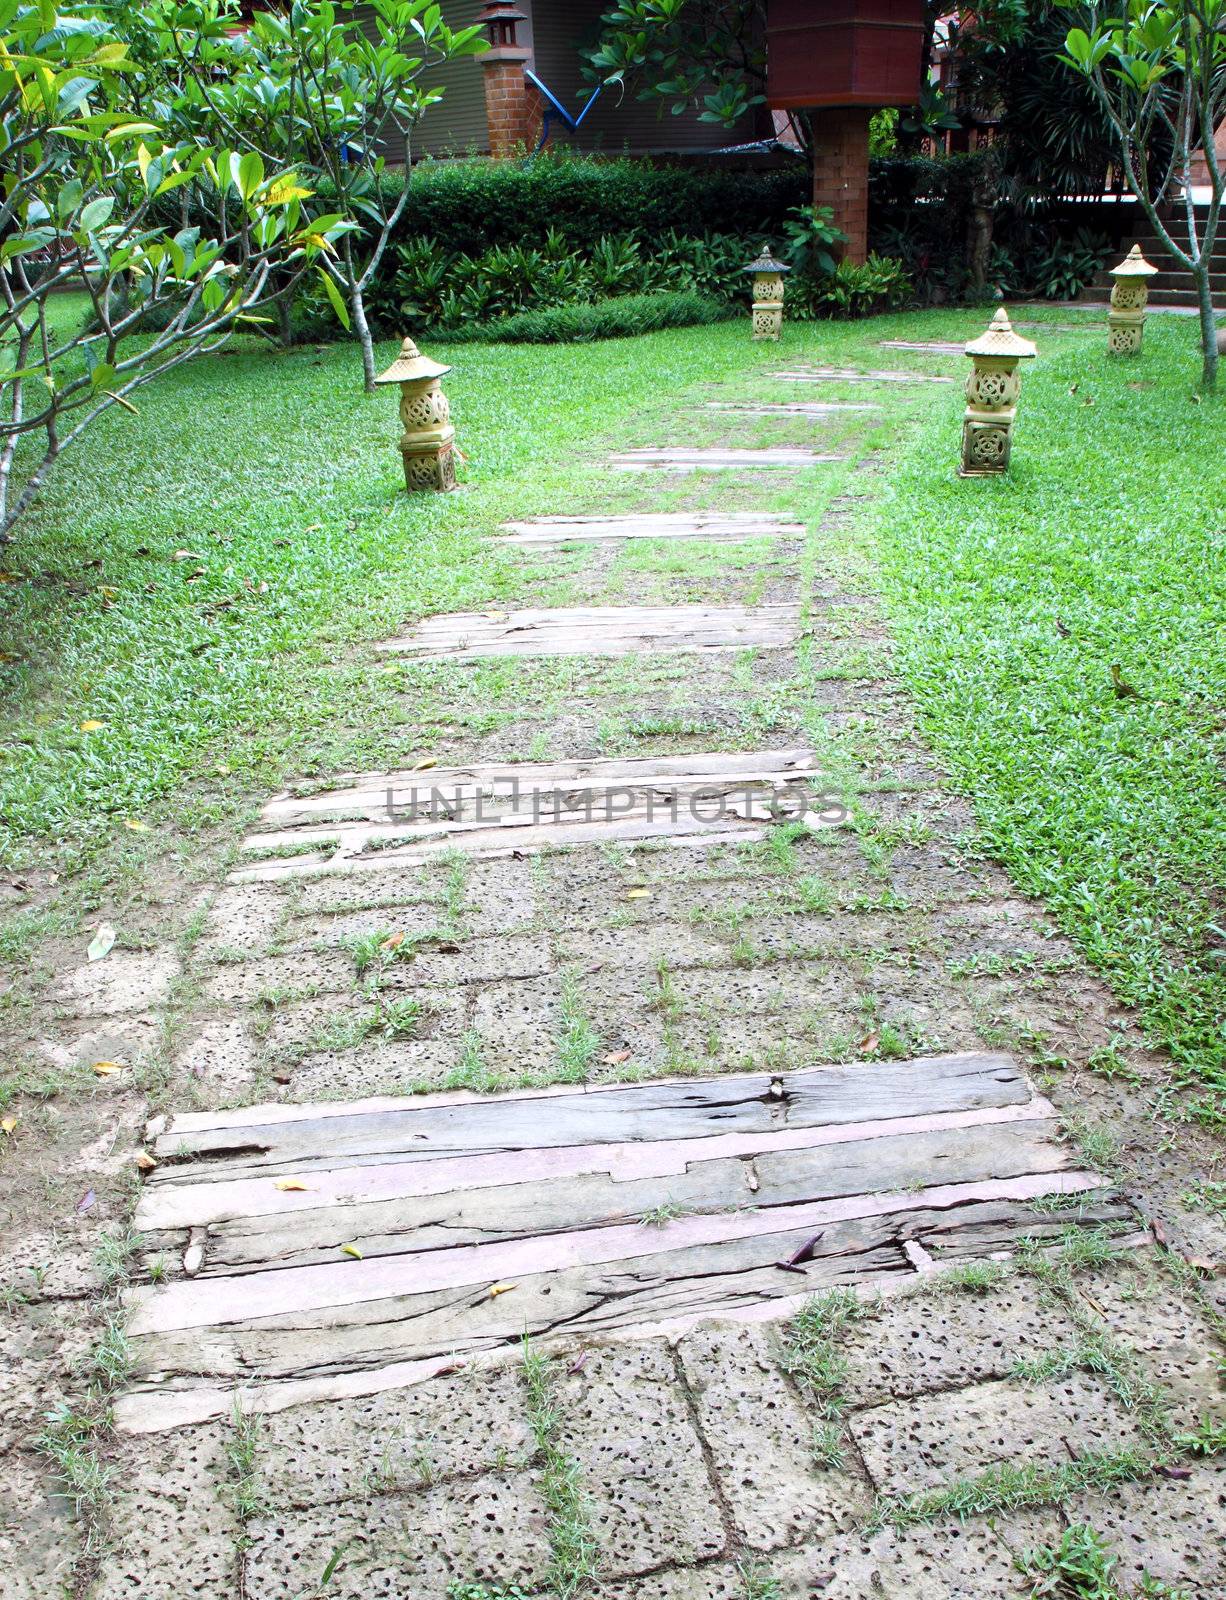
840,171
512,105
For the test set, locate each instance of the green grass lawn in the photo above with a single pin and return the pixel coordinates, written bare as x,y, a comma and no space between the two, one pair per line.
198,580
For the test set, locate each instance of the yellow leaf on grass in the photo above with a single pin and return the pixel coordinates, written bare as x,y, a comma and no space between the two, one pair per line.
501,1288
7,1124
393,941
104,1069
638,894
92,725
290,1183
136,827
351,1250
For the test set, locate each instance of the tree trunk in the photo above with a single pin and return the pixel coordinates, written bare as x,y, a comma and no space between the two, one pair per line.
285,330
362,328
979,228
1208,321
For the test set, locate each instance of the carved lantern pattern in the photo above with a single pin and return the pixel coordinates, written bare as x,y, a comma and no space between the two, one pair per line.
428,441
1129,294
767,276
992,392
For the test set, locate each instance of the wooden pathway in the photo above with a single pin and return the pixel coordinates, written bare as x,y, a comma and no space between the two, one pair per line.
716,527
349,1247
683,460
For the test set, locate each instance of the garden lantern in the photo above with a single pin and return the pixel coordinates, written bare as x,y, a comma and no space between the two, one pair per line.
767,295
1129,292
991,397
501,19
427,443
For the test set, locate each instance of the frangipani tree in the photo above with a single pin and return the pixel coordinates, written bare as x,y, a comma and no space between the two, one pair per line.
1159,67
173,238
311,88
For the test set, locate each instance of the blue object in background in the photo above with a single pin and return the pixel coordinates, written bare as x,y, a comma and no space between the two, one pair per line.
554,107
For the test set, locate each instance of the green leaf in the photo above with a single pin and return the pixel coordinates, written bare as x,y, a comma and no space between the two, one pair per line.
334,295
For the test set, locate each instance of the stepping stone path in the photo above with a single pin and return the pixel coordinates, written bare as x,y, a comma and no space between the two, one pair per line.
849,375
591,1048
716,526
717,460
440,1198
597,630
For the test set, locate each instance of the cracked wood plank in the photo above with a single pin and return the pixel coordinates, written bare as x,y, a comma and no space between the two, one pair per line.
708,525
684,460
526,1205
402,818
365,1349
271,1139
791,408
850,375
596,631
936,347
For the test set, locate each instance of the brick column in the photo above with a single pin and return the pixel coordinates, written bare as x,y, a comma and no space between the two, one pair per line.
512,105
840,171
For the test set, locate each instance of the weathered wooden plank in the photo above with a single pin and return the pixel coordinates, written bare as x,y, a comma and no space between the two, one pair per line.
187,1399
850,375
498,843
179,1205
605,630
525,1206
431,1127
712,526
786,408
681,460
367,793
937,347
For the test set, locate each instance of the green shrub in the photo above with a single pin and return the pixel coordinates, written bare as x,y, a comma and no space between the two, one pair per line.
578,322
856,289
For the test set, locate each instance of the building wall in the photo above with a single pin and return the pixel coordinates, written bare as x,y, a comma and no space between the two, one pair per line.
556,31
456,125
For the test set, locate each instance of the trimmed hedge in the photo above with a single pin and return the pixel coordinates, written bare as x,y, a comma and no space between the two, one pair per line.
580,323
469,206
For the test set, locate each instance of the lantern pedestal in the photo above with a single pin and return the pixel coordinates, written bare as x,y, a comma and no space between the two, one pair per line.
428,441
992,392
1129,295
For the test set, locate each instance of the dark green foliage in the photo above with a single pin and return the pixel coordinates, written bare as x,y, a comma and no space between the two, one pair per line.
853,289
605,319
469,206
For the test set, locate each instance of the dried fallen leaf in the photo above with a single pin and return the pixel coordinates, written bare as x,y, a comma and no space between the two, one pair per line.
424,766
869,1042
87,1200
578,1364
638,893
136,827
186,555
106,1069
292,1183
145,1161
7,1124
91,725
102,942
616,1058
501,1288
351,1250
393,941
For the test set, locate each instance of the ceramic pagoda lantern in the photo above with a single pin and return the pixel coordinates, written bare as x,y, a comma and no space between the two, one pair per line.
767,276
1129,293
428,441
991,397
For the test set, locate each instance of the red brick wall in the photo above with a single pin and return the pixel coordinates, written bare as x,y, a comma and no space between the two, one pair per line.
840,172
512,106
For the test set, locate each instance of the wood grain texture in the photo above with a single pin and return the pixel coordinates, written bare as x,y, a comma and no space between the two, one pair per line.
396,818
850,375
714,460
936,347
404,1213
793,408
597,631
712,526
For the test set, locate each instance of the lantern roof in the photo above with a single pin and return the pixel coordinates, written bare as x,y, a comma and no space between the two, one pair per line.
1000,340
1134,265
766,263
500,11
411,365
